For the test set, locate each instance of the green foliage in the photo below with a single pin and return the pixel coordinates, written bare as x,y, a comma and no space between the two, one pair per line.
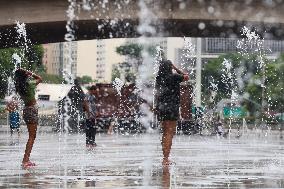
85,79
49,78
275,84
247,76
31,60
115,73
132,50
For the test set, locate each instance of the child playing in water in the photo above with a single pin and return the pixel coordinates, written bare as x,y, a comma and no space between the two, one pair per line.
14,117
25,84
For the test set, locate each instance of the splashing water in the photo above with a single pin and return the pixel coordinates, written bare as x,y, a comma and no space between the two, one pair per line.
87,5
145,79
254,43
69,36
16,59
145,76
22,35
158,58
188,53
23,41
118,84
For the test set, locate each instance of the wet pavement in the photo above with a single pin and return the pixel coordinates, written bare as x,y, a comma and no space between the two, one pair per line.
254,160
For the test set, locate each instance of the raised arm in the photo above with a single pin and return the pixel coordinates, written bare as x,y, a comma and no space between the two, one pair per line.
177,70
35,76
185,76
86,107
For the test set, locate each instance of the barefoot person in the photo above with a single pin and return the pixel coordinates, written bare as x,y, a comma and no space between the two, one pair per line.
167,102
25,83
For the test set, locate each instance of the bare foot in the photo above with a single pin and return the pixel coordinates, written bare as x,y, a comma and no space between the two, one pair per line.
28,164
166,162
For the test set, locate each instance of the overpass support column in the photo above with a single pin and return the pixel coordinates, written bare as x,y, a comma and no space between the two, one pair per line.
198,73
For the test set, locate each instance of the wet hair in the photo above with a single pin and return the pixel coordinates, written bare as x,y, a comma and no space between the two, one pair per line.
21,82
165,69
76,81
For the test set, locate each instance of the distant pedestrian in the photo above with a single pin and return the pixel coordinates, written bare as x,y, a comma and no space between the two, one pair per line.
13,115
112,123
25,84
167,103
90,112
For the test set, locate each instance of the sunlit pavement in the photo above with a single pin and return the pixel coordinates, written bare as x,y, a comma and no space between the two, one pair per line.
255,160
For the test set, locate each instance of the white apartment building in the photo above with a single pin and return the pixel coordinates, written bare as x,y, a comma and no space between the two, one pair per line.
92,58
106,57
57,56
87,58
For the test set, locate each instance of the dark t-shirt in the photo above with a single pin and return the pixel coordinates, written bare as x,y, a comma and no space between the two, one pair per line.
91,100
169,92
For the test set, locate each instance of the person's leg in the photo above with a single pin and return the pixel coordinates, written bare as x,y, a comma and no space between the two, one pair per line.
18,130
88,132
169,128
166,177
94,135
32,128
110,128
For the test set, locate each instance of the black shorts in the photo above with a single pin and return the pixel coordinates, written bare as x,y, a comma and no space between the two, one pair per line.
168,113
30,114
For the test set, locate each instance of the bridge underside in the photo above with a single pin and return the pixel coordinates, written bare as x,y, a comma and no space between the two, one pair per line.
51,32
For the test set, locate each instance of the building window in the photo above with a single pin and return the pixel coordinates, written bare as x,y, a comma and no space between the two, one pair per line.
44,97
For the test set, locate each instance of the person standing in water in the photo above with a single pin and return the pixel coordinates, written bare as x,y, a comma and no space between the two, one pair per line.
167,102
90,110
25,84
14,117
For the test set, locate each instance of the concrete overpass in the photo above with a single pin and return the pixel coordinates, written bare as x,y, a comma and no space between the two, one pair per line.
46,19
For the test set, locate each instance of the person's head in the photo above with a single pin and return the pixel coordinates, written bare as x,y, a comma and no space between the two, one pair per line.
76,81
20,80
165,67
93,89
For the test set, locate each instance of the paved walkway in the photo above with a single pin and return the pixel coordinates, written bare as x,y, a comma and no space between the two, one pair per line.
255,160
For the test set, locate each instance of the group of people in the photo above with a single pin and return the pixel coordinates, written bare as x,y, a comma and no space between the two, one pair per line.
166,107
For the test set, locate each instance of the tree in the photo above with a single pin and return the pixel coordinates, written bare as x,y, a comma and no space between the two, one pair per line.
50,78
115,73
31,60
275,84
245,79
85,79
134,52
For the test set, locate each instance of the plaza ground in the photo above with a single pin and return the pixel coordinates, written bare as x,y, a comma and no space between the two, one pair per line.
253,160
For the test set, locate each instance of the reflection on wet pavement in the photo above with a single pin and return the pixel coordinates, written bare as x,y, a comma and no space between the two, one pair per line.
251,161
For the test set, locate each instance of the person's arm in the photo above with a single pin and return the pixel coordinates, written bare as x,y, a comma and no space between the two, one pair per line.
86,107
35,76
185,76
177,70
